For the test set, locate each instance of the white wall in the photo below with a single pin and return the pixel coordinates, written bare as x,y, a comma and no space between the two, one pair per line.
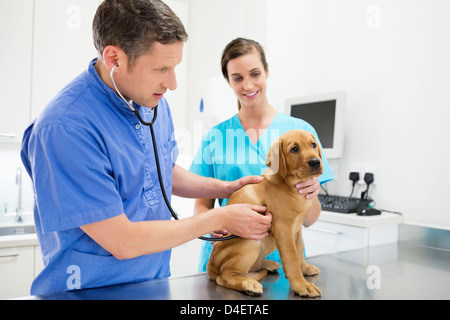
177,99
392,59
285,50
213,24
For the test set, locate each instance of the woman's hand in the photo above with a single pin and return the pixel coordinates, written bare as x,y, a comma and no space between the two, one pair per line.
310,188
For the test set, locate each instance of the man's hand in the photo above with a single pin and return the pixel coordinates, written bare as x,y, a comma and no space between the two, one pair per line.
233,186
246,221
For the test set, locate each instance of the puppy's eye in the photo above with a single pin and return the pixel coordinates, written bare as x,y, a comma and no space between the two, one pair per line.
314,145
294,150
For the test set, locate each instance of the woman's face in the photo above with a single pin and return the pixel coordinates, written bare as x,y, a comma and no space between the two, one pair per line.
247,78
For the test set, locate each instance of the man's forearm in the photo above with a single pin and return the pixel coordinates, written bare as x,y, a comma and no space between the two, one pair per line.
190,185
126,240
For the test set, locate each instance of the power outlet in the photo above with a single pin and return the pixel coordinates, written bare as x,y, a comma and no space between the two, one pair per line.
372,170
362,169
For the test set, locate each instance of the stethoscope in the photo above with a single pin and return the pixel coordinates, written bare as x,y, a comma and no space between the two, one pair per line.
155,150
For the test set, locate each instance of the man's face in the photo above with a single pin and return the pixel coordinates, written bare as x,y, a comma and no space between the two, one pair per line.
152,74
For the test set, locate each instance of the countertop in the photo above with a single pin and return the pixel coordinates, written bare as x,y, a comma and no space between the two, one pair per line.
21,238
394,271
352,219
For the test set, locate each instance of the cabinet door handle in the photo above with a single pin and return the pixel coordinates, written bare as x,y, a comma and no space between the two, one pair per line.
7,135
338,233
9,254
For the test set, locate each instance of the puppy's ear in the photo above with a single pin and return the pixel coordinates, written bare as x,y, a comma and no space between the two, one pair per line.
275,158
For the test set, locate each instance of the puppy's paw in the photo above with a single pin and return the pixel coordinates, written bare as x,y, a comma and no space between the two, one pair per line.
309,269
252,288
271,266
307,290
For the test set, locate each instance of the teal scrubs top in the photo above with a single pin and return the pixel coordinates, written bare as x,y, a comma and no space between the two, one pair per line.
226,153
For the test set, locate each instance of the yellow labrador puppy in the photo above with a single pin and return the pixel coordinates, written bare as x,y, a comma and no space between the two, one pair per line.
239,263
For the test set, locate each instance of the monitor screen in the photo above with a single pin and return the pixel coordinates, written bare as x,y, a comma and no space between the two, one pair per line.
325,112
321,116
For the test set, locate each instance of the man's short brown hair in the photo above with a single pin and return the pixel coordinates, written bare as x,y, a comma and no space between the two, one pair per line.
134,25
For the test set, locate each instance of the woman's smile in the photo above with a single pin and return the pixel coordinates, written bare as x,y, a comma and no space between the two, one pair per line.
251,94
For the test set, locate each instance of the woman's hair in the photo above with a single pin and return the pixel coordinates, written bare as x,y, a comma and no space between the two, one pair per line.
134,25
237,48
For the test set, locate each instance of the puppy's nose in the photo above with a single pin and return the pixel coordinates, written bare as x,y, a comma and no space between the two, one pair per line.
314,163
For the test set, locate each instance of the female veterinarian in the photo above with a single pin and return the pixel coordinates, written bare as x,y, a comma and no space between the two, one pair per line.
238,147
99,213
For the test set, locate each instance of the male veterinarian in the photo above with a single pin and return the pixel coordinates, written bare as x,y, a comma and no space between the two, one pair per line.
99,214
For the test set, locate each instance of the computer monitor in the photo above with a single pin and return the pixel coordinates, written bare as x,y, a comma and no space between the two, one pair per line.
325,112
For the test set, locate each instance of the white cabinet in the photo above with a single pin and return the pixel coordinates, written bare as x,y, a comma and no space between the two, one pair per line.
337,232
16,38
324,238
16,271
20,263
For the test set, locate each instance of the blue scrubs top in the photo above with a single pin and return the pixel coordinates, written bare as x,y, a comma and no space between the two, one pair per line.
90,159
226,153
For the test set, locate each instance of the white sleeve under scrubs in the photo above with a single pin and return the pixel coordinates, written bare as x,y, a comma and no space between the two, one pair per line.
226,153
90,159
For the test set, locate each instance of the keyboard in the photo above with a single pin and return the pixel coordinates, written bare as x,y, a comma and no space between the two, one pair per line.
342,204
